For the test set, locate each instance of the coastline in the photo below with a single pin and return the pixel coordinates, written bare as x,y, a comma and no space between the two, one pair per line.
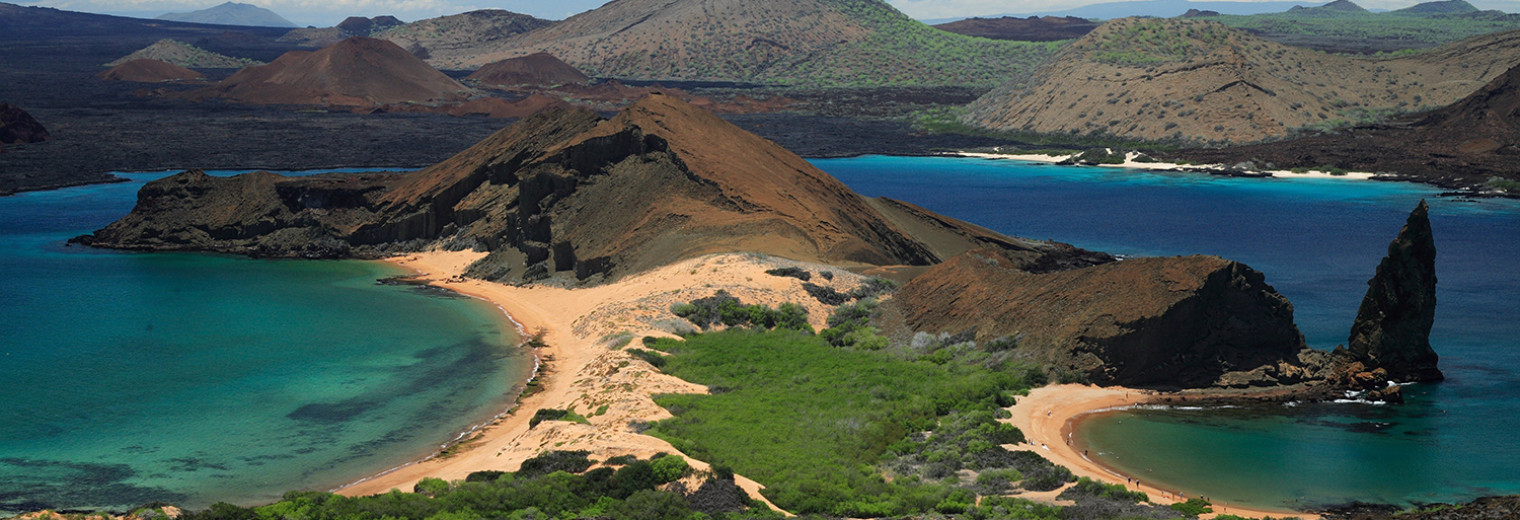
1049,415
1131,164
581,369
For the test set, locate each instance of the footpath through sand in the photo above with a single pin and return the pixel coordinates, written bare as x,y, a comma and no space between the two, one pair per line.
1049,415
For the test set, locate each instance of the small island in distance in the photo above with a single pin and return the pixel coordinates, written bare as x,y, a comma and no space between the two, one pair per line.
760,255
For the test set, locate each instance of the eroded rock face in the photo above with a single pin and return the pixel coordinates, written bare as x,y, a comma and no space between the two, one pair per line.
1392,328
1180,321
18,127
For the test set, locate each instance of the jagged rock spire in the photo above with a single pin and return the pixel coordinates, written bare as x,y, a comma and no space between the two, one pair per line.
1392,327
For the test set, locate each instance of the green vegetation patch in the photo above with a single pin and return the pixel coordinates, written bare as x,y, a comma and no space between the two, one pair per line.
552,485
812,421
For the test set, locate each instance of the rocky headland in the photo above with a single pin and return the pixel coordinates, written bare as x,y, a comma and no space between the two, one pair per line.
1473,144
1209,325
567,191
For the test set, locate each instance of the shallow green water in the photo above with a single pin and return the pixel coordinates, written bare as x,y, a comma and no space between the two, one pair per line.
194,378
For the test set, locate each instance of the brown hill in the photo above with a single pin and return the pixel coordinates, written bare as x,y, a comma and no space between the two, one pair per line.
826,42
357,71
567,191
1171,321
1197,80
541,69
445,36
148,71
18,127
1472,143
1032,29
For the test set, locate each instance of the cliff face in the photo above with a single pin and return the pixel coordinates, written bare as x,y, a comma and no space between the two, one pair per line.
566,191
1392,327
1182,321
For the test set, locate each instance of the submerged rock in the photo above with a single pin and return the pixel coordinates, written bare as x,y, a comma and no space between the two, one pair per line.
1392,328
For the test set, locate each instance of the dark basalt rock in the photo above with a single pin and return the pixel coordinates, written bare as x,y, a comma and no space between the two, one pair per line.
1392,328
18,127
1167,322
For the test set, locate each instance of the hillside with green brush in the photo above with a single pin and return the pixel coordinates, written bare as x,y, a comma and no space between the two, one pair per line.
1345,27
445,35
184,55
791,42
1201,82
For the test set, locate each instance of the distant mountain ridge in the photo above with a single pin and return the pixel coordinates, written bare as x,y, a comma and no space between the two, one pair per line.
820,42
460,33
1166,8
231,13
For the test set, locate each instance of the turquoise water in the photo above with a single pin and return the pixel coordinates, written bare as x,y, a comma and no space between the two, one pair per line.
189,378
1318,241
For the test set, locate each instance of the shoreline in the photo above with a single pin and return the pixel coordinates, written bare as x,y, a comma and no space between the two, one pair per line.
1049,416
1211,169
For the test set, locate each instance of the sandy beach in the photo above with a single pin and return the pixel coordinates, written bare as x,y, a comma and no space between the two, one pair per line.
1048,416
583,367
1131,164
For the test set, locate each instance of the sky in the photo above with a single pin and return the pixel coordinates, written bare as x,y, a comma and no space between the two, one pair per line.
325,13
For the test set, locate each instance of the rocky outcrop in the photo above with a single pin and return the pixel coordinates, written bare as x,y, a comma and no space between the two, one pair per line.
148,71
1181,321
18,127
1392,328
563,191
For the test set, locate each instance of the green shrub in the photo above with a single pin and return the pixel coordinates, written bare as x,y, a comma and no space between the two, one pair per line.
1193,507
551,414
652,358
431,486
794,272
1092,487
670,468
484,476
550,462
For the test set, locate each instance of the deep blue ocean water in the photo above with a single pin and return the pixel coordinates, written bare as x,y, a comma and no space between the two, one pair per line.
1318,241
192,378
